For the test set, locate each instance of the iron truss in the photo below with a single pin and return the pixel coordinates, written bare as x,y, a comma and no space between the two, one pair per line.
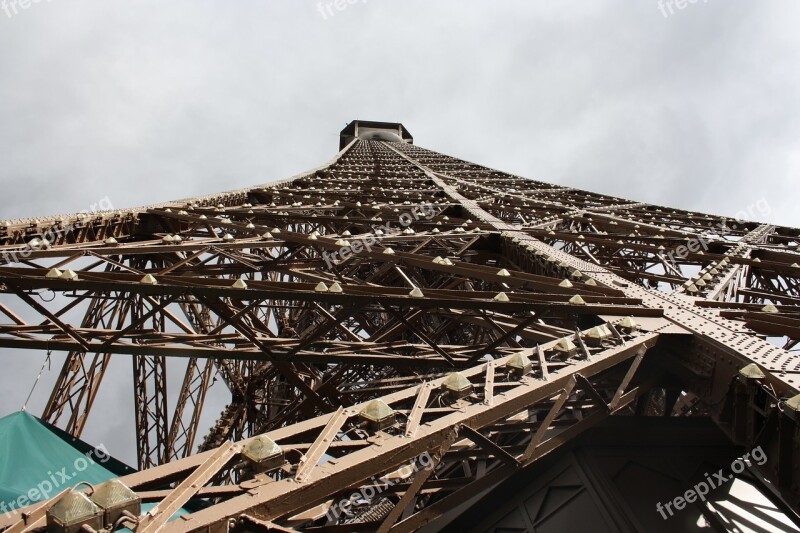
493,316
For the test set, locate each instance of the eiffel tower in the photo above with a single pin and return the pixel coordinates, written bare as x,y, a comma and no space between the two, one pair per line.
400,324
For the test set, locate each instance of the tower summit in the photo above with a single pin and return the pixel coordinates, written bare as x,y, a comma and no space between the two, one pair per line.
370,130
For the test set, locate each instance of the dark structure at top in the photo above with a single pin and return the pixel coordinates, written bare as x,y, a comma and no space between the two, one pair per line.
369,130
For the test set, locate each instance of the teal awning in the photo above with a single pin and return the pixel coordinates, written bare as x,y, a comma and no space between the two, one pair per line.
38,461
36,464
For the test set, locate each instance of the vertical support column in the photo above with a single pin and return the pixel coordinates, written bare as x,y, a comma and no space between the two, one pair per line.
786,442
747,383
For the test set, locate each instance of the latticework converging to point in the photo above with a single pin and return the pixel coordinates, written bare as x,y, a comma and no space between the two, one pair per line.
400,324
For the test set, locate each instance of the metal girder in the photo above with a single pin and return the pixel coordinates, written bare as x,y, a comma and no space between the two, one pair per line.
150,409
375,275
310,481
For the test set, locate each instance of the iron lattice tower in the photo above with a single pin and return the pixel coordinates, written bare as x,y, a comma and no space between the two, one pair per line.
494,316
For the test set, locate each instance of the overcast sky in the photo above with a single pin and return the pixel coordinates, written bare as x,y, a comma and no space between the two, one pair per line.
144,101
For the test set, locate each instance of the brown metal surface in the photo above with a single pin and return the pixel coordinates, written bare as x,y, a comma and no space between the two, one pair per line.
374,276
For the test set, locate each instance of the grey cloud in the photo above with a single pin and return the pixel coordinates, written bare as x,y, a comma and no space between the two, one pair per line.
149,101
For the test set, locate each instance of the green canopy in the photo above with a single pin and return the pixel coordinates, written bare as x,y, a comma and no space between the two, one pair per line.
38,461
36,464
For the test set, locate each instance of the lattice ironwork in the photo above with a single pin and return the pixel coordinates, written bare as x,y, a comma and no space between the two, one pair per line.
493,316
